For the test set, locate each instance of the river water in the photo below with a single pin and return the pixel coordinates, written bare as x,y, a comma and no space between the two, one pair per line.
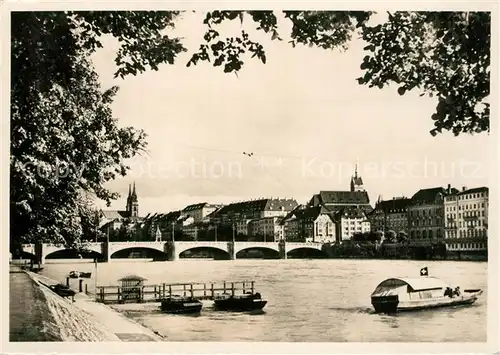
308,300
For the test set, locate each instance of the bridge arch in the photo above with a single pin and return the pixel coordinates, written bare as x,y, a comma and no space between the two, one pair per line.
73,254
26,255
306,253
204,252
257,252
138,252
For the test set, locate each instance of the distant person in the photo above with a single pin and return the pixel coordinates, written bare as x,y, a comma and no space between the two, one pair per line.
448,292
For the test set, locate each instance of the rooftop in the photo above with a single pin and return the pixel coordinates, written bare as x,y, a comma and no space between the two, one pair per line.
342,197
431,194
474,190
115,214
394,205
350,212
266,204
194,207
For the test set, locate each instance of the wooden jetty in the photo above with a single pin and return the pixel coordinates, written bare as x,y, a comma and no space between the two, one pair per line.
139,293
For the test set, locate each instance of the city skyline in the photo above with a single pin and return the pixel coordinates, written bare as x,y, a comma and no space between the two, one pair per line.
305,125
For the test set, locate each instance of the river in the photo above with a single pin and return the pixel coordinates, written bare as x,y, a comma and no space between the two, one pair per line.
308,300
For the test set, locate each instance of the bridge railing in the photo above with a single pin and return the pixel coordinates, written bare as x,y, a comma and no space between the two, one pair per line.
255,243
315,244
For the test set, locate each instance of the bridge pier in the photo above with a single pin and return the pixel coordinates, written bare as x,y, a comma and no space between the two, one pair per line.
105,251
169,249
282,249
39,255
230,251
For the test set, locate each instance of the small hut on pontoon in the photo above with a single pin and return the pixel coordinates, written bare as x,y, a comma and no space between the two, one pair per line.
131,289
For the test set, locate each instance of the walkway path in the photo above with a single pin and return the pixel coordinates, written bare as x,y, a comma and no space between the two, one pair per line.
29,315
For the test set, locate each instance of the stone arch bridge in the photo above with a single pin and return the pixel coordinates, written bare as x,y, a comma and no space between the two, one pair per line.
169,250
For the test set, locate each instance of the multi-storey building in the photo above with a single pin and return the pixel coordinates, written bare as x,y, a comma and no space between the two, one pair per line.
269,228
350,221
292,226
390,215
241,213
169,224
191,231
426,215
335,201
466,220
309,224
348,210
199,211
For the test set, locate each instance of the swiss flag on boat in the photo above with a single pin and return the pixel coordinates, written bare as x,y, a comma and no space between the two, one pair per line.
424,271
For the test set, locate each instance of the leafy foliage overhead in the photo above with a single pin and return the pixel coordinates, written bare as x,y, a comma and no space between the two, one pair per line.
445,55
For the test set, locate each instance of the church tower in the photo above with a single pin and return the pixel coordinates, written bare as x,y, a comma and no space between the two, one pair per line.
132,202
129,200
356,181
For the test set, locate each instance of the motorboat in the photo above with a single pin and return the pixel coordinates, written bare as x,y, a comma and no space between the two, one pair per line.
62,290
239,303
180,304
78,274
36,268
410,294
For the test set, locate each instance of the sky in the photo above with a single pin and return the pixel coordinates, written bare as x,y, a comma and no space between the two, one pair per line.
303,116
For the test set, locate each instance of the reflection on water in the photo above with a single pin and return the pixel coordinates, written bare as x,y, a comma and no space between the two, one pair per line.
308,300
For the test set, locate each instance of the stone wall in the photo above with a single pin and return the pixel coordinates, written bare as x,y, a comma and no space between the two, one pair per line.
38,314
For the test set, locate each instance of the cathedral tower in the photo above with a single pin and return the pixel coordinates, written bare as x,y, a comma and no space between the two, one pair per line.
132,202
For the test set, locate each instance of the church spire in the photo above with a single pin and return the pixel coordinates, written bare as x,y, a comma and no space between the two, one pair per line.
134,203
356,180
134,194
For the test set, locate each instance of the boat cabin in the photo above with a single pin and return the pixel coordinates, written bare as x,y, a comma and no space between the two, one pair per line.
412,289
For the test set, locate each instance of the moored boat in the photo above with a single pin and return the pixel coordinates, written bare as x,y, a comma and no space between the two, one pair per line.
410,294
36,268
62,290
80,274
180,304
239,303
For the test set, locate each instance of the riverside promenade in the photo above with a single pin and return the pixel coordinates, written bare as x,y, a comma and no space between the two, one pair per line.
38,314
